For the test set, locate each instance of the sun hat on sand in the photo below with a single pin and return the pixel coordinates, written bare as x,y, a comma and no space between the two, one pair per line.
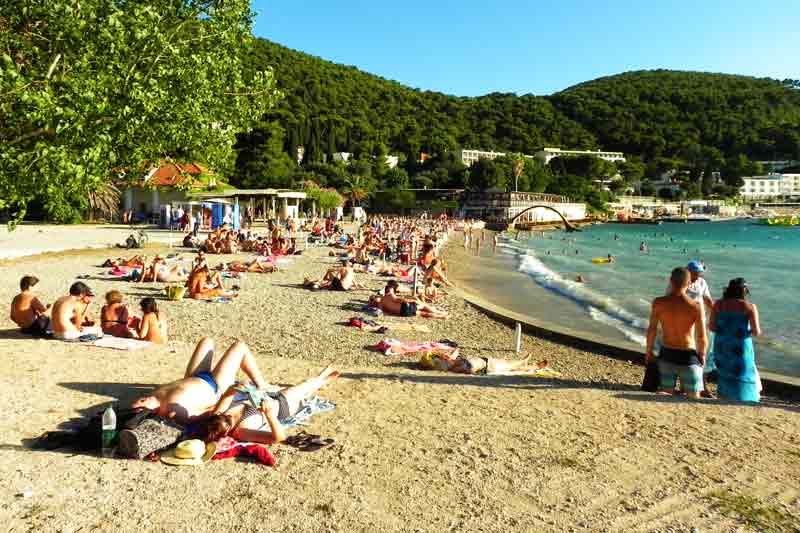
191,452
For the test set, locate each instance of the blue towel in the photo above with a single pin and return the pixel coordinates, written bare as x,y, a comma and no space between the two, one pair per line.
309,408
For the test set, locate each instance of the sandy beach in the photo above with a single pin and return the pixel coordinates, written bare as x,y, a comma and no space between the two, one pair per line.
416,450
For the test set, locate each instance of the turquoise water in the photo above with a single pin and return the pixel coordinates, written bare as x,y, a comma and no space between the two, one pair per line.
619,294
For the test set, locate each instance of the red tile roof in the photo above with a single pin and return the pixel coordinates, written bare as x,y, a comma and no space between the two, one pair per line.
175,174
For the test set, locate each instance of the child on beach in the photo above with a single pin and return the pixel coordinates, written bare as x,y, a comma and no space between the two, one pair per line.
114,317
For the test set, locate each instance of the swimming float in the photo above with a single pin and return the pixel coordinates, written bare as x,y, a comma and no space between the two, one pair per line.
601,260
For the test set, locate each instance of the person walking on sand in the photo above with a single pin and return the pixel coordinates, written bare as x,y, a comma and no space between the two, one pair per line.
494,244
682,353
31,315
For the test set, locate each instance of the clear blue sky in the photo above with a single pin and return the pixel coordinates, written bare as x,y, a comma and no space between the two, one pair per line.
473,47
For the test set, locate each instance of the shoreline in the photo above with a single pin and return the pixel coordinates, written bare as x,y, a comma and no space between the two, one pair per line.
469,268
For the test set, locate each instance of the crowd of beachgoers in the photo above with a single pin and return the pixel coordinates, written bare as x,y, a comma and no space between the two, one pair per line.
208,400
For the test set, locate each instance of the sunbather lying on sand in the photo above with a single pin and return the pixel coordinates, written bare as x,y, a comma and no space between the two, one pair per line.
135,261
159,271
485,365
235,414
252,266
199,391
391,304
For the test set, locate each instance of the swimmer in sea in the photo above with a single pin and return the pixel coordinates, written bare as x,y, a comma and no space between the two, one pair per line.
611,258
579,279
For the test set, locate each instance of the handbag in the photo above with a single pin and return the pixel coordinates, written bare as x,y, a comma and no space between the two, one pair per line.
652,377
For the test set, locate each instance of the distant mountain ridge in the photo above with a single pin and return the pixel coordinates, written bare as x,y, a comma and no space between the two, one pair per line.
688,116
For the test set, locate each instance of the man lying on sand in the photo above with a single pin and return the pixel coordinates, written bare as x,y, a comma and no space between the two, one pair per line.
253,415
70,315
679,317
202,385
391,304
31,315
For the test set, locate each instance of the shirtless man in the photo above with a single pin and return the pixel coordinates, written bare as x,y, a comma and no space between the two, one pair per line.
70,314
196,394
680,355
341,278
391,304
27,311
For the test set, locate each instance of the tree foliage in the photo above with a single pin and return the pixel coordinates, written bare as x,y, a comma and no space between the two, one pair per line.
92,86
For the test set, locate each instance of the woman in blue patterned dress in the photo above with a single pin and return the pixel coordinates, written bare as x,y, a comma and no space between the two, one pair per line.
734,322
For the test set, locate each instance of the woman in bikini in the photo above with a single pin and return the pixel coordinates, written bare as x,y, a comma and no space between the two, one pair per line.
153,326
114,319
252,266
254,415
201,289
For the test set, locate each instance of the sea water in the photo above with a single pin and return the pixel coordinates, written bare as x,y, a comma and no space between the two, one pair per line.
618,294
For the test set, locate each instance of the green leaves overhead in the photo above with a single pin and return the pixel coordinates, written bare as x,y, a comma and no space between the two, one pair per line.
93,88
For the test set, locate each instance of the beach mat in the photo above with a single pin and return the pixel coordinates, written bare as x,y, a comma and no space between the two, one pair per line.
118,343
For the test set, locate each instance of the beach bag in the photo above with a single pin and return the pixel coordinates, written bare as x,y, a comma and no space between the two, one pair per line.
151,435
652,377
175,292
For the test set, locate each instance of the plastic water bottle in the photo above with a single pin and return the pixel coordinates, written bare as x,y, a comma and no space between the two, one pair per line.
109,426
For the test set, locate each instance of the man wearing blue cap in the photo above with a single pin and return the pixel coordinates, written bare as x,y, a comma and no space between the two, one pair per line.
698,288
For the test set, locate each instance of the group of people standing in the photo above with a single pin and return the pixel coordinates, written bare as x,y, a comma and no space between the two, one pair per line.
684,315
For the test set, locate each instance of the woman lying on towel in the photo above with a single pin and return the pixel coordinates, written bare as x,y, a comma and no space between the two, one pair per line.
252,414
252,266
159,271
135,261
198,392
480,365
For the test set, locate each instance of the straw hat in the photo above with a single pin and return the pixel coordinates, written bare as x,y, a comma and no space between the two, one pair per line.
191,452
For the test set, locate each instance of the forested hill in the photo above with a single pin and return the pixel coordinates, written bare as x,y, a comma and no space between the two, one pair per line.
698,118
330,107
684,114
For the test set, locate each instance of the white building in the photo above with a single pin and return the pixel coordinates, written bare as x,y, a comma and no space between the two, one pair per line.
469,157
771,186
548,154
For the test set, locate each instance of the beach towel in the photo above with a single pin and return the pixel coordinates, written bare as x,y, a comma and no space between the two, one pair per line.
119,343
246,449
396,347
308,408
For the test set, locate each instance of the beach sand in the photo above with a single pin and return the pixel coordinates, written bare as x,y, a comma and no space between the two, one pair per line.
416,450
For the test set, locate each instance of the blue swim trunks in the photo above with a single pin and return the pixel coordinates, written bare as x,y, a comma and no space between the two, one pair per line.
691,376
208,378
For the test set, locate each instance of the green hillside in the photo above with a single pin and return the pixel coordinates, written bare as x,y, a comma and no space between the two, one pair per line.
696,123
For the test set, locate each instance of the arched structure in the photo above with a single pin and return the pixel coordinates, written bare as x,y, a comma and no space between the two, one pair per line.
567,225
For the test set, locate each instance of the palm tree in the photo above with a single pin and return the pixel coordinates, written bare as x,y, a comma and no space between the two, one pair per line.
355,188
517,167
105,199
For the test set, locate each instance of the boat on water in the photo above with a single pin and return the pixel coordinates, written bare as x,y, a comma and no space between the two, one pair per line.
687,218
786,221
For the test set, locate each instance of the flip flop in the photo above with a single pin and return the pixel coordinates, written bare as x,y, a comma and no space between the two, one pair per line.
306,442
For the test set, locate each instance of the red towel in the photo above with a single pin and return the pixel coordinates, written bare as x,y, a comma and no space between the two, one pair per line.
256,451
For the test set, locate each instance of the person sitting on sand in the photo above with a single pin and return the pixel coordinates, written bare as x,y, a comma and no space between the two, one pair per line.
341,278
681,354
70,315
203,288
429,292
230,244
114,318
153,325
235,414
391,304
199,391
31,315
